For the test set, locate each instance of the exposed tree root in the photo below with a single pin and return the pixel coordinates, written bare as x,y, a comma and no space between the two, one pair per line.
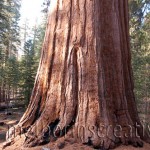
96,137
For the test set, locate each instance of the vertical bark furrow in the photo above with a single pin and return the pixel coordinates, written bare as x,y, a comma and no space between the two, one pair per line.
39,79
63,97
53,66
29,116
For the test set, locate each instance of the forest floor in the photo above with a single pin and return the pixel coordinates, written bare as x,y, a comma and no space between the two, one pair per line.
7,121
10,120
75,146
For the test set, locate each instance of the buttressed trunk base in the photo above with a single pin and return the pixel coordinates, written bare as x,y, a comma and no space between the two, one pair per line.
84,85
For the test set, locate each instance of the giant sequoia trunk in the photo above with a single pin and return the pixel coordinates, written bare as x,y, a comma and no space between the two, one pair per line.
84,85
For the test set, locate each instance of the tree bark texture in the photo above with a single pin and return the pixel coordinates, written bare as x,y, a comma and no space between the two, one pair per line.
84,77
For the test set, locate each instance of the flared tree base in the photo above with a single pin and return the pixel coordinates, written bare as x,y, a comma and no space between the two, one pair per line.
102,135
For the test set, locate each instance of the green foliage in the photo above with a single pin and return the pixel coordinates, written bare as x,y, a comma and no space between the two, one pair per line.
18,73
9,33
9,41
12,72
140,46
28,70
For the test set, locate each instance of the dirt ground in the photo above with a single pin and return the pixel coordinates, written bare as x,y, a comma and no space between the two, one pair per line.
9,121
75,146
14,118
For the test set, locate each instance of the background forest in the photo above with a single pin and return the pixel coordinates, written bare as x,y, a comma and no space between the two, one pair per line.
20,52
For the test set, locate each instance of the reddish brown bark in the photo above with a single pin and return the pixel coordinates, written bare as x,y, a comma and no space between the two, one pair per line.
84,77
